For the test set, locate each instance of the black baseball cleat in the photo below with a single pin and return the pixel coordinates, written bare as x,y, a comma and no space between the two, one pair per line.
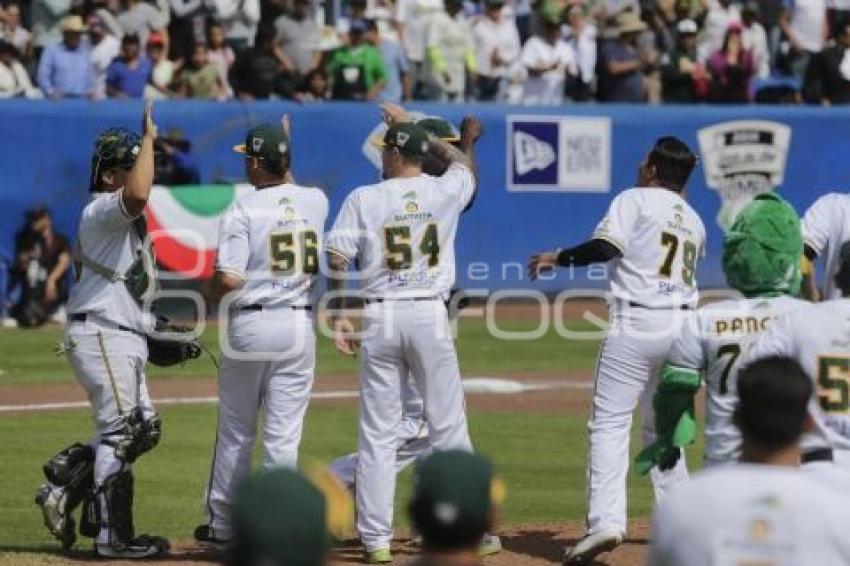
205,534
144,546
54,502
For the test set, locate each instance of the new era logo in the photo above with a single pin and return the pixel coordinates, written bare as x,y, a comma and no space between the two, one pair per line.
549,153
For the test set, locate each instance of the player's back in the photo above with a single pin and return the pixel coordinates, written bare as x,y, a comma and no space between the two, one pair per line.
751,514
661,238
726,330
276,233
826,226
403,230
819,339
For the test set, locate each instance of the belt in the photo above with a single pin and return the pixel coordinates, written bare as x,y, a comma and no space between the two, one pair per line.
671,307
83,316
397,299
816,455
259,307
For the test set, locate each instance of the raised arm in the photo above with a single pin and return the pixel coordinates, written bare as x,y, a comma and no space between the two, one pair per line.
137,189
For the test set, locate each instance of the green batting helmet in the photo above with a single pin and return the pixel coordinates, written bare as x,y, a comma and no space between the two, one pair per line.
115,148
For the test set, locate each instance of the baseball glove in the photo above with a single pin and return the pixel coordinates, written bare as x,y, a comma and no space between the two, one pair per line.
168,351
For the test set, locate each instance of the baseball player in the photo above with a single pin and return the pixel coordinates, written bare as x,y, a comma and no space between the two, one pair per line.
266,266
401,232
761,259
826,226
107,349
817,337
652,239
764,510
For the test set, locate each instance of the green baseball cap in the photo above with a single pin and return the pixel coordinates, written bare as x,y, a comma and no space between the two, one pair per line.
409,139
440,128
265,142
453,499
279,518
550,12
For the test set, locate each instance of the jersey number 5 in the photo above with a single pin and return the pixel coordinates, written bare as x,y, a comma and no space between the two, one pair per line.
689,257
286,247
399,252
834,384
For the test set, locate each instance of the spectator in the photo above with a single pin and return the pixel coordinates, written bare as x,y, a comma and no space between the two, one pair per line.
200,78
140,18
239,18
188,25
42,261
731,70
298,39
220,54
721,14
803,23
47,18
399,86
356,70
413,18
652,42
464,483
128,74
162,69
497,46
14,33
838,15
357,10
451,53
754,37
103,48
622,80
14,79
65,70
173,161
104,9
581,36
314,87
684,78
258,73
833,72
547,59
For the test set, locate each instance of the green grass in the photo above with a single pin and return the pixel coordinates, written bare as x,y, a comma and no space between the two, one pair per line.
27,356
540,457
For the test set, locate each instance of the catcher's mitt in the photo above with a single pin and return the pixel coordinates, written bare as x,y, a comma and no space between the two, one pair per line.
168,351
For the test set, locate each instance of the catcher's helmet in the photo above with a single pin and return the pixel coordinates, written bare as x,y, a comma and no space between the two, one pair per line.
114,148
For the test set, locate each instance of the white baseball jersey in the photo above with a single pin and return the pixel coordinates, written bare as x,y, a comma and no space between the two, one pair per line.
713,341
271,238
826,226
751,514
107,236
818,337
402,233
661,238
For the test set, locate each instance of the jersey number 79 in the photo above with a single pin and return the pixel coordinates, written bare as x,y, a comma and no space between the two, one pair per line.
689,257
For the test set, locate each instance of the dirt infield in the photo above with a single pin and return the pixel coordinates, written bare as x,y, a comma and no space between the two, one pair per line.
524,545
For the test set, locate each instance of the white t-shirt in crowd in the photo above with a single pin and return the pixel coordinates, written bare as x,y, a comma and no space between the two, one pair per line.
501,37
547,88
808,18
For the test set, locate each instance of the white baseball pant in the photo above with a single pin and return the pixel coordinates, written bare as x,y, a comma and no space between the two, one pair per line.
634,349
109,364
401,337
413,441
270,368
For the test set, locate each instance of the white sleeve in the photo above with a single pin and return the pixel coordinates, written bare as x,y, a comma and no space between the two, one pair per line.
109,211
344,237
817,222
528,56
234,246
686,350
460,180
659,544
778,340
616,226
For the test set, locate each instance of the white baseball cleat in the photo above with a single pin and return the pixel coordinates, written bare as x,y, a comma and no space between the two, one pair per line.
591,546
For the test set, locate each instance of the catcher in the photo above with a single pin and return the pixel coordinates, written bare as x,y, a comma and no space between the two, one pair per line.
107,344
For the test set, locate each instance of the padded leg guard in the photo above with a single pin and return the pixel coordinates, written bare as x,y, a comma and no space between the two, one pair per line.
70,474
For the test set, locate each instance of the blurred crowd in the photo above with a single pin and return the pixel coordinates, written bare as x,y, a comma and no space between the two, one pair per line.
514,51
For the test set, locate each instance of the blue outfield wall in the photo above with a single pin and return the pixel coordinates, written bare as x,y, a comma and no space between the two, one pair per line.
573,158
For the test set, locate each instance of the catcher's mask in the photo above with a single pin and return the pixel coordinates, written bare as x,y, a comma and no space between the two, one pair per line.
115,148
